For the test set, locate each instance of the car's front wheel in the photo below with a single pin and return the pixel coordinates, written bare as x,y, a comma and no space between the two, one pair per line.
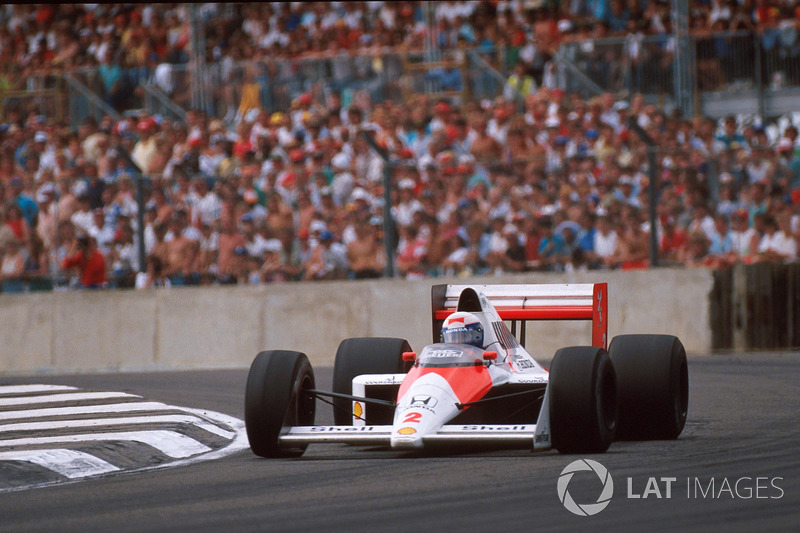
276,398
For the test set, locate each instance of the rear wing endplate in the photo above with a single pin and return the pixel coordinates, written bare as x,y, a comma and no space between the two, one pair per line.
575,301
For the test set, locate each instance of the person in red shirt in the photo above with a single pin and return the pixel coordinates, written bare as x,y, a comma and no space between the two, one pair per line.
87,258
672,240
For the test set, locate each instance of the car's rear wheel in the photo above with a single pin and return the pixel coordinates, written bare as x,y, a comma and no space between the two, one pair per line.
364,355
276,398
653,383
583,400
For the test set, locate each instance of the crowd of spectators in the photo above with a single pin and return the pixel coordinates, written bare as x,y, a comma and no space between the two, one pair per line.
126,43
478,187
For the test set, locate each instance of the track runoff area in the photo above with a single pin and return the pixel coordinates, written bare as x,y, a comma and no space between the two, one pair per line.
51,434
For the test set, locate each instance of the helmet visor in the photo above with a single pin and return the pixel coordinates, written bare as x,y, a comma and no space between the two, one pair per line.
472,334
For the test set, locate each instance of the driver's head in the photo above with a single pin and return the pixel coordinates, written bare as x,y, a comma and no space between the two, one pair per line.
463,328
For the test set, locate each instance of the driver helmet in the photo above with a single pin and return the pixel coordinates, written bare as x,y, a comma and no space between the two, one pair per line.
463,328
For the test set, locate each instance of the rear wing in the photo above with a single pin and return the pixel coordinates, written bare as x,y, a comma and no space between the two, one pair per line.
576,301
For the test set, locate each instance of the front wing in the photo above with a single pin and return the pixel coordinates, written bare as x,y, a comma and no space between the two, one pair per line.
535,436
525,436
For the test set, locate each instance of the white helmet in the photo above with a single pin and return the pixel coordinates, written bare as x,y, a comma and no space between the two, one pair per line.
463,328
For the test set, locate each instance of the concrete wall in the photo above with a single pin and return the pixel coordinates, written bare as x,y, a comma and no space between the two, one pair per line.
218,327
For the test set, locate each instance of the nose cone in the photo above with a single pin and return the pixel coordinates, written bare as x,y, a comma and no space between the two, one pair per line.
426,405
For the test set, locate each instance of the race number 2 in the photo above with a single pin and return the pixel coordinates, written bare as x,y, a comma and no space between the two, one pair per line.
412,418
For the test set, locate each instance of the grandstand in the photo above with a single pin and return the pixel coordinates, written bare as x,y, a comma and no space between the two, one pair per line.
185,144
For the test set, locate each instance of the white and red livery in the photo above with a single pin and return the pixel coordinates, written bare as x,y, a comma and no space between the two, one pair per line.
477,385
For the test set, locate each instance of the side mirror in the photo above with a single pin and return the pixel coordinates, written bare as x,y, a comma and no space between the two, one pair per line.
489,356
409,356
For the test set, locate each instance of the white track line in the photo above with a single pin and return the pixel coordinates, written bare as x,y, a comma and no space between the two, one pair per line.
99,422
88,409
64,397
72,464
238,444
20,389
169,443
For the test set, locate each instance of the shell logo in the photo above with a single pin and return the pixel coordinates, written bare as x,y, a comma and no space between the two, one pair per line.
406,431
358,411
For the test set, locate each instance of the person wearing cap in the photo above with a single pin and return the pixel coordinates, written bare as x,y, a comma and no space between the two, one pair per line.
206,205
46,219
103,234
407,204
730,135
328,260
343,180
145,148
274,268
497,127
605,240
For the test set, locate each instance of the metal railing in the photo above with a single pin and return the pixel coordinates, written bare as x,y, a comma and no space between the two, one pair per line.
156,102
728,66
735,72
47,102
83,102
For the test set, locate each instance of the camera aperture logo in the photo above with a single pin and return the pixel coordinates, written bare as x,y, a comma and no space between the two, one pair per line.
586,509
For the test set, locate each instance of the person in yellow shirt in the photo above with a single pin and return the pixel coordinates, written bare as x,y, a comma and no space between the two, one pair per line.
251,94
520,84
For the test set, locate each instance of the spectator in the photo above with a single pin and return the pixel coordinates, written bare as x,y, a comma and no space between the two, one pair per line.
153,276
778,243
673,240
328,260
565,159
90,263
12,267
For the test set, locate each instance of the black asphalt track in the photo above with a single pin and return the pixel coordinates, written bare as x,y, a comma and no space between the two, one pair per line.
736,467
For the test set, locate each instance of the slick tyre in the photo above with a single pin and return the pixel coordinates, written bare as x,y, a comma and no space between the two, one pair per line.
583,400
275,398
364,355
653,385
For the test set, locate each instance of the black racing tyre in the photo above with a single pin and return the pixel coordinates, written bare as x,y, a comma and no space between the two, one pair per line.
583,400
364,355
653,384
275,399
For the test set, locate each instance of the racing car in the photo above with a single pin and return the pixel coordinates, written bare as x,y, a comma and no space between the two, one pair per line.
476,384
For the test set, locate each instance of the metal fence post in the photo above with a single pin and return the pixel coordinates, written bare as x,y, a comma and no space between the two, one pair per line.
388,224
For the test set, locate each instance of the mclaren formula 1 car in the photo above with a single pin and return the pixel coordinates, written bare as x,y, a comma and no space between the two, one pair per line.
477,385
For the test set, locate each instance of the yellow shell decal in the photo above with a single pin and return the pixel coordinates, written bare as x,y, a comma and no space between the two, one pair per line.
358,411
406,431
